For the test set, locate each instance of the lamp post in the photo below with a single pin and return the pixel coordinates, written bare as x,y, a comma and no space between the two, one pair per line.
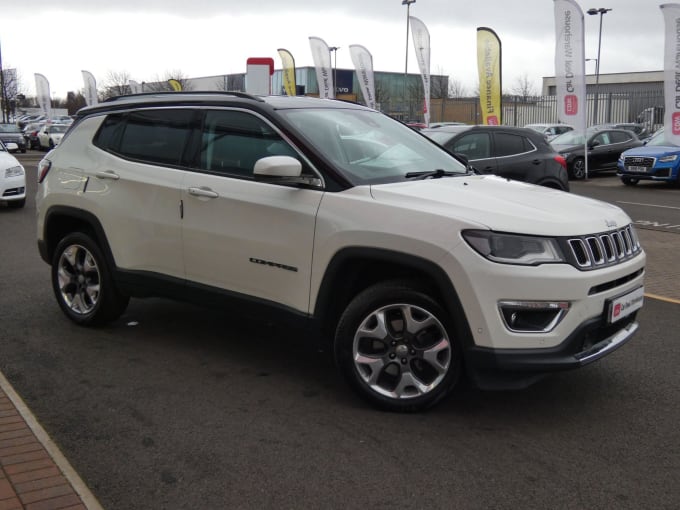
594,12
407,3
335,49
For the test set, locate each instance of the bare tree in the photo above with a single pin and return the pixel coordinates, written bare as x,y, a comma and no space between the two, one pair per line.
161,84
116,83
230,83
524,87
457,89
9,90
382,94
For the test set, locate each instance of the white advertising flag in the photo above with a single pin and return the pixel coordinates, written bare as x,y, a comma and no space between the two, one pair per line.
90,88
421,43
570,64
671,73
363,63
322,62
42,92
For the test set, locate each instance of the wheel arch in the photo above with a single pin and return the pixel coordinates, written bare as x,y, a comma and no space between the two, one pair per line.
61,220
354,269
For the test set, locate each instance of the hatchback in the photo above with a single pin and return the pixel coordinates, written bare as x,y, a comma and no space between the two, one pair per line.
515,153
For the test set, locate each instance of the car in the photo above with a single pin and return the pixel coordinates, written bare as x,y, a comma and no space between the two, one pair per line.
416,125
657,160
343,224
604,148
31,134
439,124
12,179
50,135
639,129
550,131
10,133
511,152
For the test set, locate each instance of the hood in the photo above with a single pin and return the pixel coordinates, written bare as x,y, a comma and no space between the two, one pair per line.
7,161
504,206
657,151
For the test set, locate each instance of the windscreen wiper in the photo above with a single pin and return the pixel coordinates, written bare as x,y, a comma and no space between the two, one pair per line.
434,174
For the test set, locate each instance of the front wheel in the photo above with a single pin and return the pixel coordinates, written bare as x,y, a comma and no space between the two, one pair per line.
83,284
578,168
629,181
397,348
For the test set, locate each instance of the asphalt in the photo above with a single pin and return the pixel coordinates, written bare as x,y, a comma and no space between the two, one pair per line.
35,475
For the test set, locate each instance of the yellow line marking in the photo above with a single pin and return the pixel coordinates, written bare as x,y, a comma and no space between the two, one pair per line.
663,298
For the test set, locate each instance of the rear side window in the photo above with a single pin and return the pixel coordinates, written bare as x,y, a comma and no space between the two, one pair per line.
153,136
508,144
619,137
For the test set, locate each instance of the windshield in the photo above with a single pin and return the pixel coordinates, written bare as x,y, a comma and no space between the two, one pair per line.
369,147
659,139
58,129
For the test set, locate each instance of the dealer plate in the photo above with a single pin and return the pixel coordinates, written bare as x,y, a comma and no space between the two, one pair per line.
623,306
638,169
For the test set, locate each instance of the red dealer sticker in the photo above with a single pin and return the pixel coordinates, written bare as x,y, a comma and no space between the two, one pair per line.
624,305
676,123
570,104
492,120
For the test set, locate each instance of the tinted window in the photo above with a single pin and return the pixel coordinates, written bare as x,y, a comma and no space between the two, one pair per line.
473,145
619,137
232,141
507,144
602,138
156,136
109,132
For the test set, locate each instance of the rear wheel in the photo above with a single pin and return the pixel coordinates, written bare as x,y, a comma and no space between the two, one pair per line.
397,347
578,168
83,284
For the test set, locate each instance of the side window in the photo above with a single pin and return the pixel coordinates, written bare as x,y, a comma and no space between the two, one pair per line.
473,145
602,138
109,133
619,137
232,141
156,136
508,144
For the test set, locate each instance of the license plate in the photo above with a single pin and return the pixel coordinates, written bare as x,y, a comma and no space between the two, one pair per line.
641,169
623,306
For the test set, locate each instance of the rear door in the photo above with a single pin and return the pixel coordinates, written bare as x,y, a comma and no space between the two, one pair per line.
517,157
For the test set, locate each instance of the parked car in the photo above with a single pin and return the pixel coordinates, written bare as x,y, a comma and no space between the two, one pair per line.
416,125
604,148
657,160
50,135
550,131
344,222
639,129
31,134
515,153
12,179
10,133
451,123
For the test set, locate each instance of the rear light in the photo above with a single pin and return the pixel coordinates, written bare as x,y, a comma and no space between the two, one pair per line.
43,167
561,161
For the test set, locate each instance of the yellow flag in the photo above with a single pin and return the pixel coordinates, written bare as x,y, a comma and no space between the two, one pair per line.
288,72
176,86
489,66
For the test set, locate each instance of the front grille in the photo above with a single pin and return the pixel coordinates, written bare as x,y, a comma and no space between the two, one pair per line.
603,249
639,161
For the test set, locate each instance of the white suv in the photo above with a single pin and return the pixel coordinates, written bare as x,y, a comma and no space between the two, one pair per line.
339,218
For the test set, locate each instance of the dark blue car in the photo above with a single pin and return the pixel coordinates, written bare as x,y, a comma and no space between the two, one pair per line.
657,160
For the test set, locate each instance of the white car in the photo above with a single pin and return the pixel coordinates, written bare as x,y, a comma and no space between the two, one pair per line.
341,220
12,179
550,131
50,135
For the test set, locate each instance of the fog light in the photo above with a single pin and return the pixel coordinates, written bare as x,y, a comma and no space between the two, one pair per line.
532,316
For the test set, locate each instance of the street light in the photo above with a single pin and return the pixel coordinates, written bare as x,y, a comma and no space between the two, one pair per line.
335,49
594,12
407,3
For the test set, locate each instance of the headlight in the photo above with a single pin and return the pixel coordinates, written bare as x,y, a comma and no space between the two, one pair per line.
514,248
668,159
565,155
14,171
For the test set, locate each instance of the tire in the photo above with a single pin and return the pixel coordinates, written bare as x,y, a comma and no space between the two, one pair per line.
578,168
397,348
16,204
51,145
629,181
83,284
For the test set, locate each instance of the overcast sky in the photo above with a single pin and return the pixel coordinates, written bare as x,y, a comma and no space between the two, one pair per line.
148,38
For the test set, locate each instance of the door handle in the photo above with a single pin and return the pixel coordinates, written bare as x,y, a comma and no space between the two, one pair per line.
203,192
536,161
107,174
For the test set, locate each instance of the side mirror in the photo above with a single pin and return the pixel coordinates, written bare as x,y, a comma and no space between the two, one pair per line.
594,144
283,170
462,157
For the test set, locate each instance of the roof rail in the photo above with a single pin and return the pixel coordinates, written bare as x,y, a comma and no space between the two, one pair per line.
234,93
